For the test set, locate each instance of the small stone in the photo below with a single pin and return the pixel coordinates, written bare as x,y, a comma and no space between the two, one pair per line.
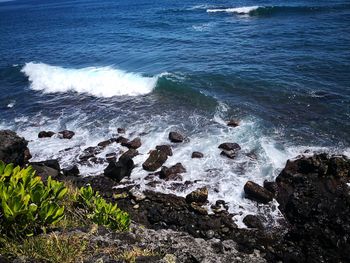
233,123
136,194
230,146
175,137
121,130
136,206
45,134
253,221
197,155
66,134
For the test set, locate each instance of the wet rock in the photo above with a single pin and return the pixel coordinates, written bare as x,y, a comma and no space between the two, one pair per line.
45,134
176,137
197,155
165,148
66,134
258,193
27,155
121,140
13,149
155,160
253,221
118,170
121,130
71,171
233,123
131,153
133,144
89,153
45,171
105,143
172,173
111,157
198,196
229,146
229,154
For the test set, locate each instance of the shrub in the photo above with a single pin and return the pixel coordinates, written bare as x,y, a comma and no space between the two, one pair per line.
100,211
27,204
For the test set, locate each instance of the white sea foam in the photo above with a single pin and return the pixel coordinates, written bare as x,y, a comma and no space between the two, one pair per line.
11,104
236,10
96,81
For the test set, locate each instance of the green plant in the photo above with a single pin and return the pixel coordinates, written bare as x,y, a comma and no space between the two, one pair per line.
100,211
27,204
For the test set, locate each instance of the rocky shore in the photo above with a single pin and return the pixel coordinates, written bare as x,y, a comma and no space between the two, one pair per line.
312,192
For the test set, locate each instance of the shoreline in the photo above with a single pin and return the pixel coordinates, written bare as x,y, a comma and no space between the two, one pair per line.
296,236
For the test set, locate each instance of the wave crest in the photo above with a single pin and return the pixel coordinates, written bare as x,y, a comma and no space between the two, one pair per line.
96,81
237,10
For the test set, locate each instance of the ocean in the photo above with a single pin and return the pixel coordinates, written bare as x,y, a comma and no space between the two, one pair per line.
282,68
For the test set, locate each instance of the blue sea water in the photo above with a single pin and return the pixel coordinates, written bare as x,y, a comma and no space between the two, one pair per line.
280,67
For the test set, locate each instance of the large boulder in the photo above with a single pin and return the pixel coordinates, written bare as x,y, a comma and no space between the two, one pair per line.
118,170
229,146
155,160
314,196
46,168
176,137
131,153
172,173
13,149
166,148
257,193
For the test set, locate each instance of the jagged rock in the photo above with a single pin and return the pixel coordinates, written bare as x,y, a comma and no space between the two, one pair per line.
253,221
118,170
45,171
271,186
229,146
131,153
133,144
45,134
197,155
198,209
165,148
199,196
155,160
175,137
66,134
258,193
172,173
71,171
13,149
233,123
121,130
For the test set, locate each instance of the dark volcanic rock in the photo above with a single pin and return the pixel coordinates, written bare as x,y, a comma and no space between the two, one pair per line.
45,134
258,193
121,130
89,153
233,123
197,155
121,140
253,221
66,134
111,157
133,144
45,171
271,186
165,148
155,160
314,197
198,196
118,170
131,153
54,164
13,149
105,143
71,171
172,173
229,146
175,137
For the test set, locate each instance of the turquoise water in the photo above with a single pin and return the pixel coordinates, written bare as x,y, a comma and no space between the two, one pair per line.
281,67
